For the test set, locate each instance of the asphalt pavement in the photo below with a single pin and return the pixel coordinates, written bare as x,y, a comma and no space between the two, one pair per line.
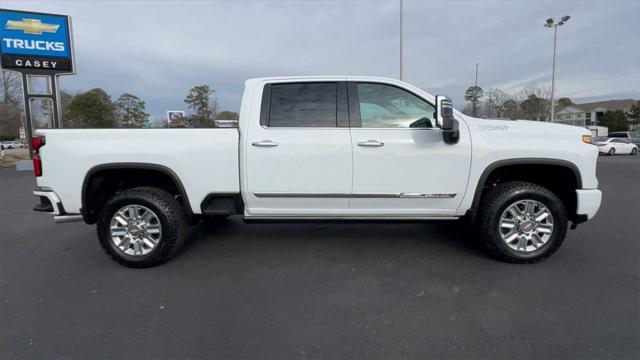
322,290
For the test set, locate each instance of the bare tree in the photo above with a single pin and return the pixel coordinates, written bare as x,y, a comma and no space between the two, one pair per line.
535,101
11,87
532,88
494,106
11,106
468,109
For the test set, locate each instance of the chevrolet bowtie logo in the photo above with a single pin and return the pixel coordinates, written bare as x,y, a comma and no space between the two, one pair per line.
31,26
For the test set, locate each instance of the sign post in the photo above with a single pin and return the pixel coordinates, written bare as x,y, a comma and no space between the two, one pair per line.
39,46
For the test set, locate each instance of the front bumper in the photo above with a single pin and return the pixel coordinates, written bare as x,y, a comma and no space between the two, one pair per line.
588,202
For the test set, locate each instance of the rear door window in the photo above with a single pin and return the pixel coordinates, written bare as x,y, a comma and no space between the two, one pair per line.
303,105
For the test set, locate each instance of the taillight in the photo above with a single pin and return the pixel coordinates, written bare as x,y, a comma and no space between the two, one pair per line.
36,143
37,165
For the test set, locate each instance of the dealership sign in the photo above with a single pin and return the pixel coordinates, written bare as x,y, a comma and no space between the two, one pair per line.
175,115
35,42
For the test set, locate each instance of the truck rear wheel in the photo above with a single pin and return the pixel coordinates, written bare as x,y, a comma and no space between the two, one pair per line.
522,222
141,227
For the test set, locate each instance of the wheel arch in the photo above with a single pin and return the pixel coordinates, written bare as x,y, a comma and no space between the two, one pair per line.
168,176
554,165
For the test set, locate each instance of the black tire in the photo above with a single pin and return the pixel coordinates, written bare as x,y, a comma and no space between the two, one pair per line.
171,216
634,151
612,152
494,204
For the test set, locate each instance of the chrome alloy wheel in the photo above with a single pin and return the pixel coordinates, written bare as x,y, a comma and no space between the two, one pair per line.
526,225
135,230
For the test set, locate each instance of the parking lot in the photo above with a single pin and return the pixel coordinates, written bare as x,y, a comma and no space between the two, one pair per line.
322,290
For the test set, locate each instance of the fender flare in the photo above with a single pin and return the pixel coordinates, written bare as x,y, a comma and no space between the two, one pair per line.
519,161
137,166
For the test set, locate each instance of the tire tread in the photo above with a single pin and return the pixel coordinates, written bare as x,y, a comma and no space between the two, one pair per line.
492,200
172,238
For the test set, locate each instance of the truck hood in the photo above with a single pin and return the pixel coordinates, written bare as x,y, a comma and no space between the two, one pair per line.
528,128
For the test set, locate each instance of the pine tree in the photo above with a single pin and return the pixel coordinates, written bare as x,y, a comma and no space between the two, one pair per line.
92,109
199,100
130,111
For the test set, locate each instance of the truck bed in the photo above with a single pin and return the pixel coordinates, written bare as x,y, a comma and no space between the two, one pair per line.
205,160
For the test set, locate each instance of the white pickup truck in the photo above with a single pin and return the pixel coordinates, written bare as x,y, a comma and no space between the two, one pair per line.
324,148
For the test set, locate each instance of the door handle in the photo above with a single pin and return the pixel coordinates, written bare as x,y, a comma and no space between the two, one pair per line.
370,143
264,143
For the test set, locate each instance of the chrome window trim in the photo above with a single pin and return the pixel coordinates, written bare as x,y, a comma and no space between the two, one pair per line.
343,128
302,128
428,196
396,128
407,195
300,195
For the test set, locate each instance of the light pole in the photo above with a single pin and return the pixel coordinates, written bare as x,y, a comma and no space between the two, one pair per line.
551,24
401,72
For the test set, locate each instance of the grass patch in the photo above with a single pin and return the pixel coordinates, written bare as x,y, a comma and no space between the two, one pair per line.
13,155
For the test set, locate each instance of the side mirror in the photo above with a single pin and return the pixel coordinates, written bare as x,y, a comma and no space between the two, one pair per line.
446,121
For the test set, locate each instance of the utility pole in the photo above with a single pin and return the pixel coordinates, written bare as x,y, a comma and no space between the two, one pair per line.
475,102
476,74
553,73
550,23
401,33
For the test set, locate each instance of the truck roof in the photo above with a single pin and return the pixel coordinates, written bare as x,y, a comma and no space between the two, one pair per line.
322,77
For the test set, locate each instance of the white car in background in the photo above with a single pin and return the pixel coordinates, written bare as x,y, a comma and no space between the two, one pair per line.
13,144
615,146
633,136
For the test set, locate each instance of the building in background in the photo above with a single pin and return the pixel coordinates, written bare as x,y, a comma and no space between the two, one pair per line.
591,114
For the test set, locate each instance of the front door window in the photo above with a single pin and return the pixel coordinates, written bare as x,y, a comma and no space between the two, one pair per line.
386,106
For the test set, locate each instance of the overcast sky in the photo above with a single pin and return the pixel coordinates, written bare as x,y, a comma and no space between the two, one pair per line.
158,50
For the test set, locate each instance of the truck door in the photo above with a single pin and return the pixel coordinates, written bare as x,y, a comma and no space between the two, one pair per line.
401,165
298,158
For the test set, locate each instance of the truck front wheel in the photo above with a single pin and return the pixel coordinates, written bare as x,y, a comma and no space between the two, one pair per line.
141,227
522,222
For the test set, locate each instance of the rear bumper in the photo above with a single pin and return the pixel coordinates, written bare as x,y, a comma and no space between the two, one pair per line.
588,202
49,201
